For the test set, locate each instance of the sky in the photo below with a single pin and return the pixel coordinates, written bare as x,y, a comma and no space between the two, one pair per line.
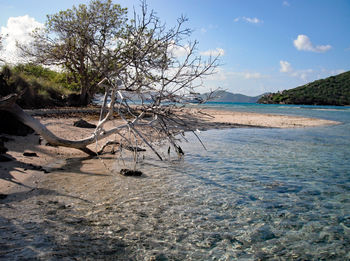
264,46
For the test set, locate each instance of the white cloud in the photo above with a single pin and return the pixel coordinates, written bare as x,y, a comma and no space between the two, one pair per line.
285,67
303,43
307,75
224,75
18,29
179,51
216,52
254,75
251,20
286,3
244,82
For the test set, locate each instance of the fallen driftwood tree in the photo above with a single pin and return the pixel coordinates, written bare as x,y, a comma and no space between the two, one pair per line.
147,67
162,122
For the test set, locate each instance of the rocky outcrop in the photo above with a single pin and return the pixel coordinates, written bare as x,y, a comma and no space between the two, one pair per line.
84,124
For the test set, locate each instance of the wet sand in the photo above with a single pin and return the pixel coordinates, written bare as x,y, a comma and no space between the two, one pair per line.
24,173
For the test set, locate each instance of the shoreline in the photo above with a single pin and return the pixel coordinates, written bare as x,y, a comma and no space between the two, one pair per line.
24,173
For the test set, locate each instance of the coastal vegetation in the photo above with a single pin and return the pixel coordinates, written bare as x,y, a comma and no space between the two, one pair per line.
86,41
39,87
97,48
334,90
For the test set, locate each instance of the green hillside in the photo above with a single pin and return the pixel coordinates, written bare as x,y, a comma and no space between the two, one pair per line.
334,90
224,96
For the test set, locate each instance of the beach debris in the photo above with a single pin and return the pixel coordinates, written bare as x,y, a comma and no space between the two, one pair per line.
30,154
38,168
84,124
130,172
127,147
3,149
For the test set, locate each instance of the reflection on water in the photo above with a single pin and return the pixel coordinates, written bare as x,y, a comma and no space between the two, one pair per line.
255,194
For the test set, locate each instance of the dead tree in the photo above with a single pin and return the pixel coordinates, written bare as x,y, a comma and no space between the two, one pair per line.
150,71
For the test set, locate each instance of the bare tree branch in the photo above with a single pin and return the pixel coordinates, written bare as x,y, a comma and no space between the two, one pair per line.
150,73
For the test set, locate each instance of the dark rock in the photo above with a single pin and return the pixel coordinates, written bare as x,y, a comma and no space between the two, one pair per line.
6,158
13,126
84,124
38,168
3,196
30,154
130,172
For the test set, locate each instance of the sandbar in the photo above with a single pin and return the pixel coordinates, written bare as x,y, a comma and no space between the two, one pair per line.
19,175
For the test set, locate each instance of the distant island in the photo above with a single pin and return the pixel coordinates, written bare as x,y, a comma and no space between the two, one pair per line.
224,96
334,90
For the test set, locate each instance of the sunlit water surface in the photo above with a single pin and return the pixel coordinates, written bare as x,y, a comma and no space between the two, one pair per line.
254,194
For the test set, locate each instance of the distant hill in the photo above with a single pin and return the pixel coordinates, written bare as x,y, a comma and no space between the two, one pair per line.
224,96
334,90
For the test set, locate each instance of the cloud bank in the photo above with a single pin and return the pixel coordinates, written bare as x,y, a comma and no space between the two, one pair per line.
18,29
303,43
286,67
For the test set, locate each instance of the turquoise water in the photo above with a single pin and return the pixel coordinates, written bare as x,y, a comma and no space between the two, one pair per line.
265,193
255,194
271,193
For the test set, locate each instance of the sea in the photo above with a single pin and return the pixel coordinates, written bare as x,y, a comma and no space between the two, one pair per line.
252,194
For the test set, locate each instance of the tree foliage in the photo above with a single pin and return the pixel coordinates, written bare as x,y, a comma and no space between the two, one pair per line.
40,87
96,41
334,90
143,64
81,40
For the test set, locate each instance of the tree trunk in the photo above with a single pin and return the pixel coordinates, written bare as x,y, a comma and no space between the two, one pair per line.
8,104
84,96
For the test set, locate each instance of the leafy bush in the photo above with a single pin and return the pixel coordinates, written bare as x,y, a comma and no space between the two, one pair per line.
41,87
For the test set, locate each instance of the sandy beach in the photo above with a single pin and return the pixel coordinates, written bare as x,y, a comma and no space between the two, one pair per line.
58,203
25,172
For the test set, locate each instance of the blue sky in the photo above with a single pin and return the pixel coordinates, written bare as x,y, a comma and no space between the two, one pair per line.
266,45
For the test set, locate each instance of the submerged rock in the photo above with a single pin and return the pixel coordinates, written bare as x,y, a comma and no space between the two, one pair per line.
84,124
264,233
130,172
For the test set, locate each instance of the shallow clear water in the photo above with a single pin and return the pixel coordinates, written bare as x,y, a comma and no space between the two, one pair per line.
254,194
